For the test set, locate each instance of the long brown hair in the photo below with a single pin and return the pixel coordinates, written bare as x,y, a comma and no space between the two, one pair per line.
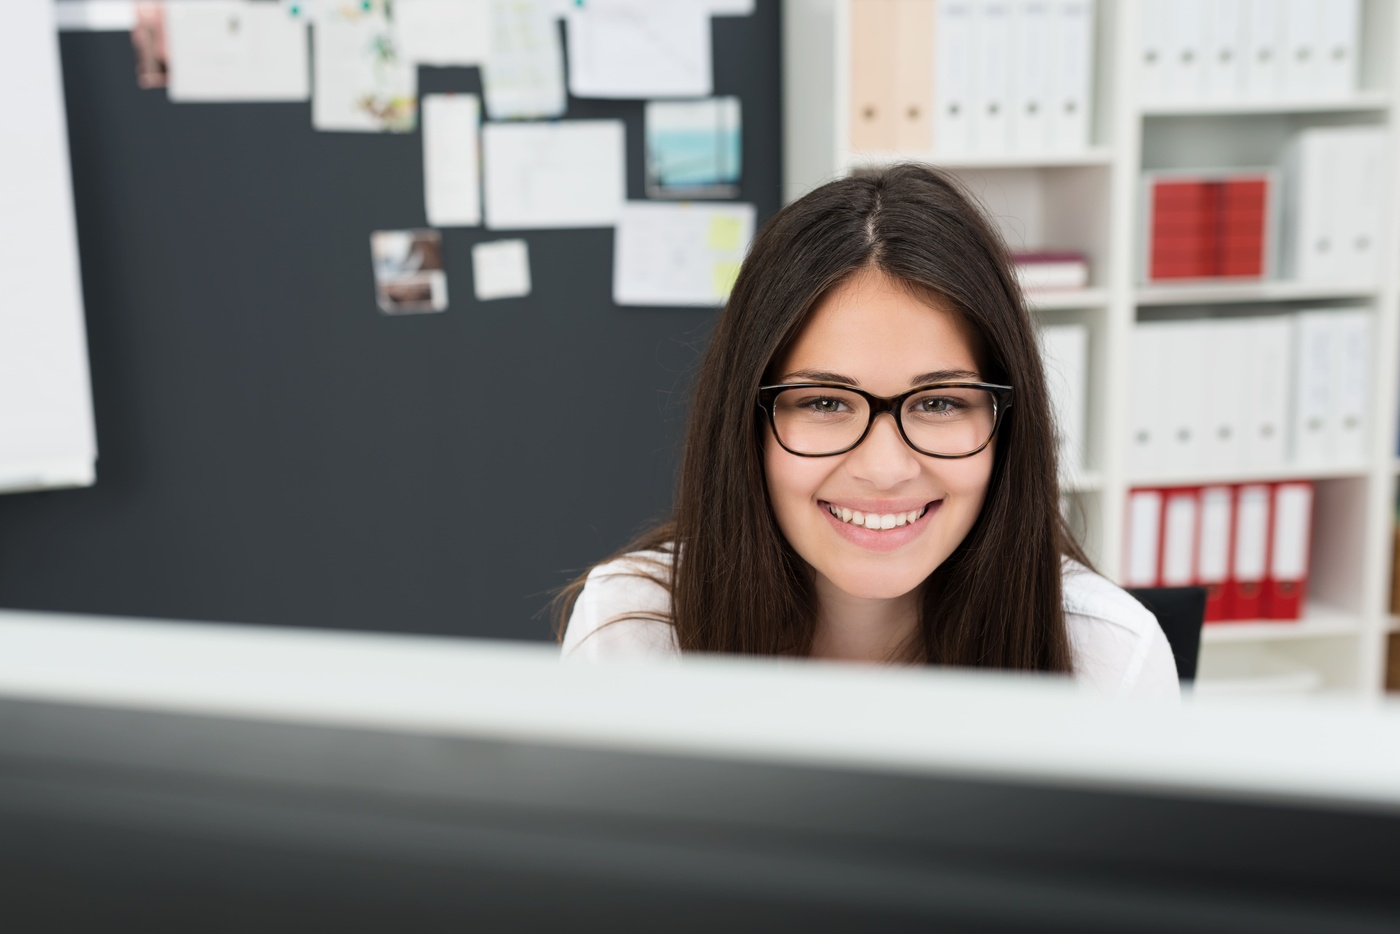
736,584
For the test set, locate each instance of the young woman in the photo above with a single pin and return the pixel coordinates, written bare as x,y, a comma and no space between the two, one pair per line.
869,470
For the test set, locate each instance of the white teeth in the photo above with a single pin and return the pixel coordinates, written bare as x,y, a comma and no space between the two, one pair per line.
875,521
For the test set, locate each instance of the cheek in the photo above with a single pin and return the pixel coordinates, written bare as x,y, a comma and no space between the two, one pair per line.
792,481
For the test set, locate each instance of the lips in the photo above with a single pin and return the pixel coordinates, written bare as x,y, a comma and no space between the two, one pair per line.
878,538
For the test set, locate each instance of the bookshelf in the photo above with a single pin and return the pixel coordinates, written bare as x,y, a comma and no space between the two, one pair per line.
1089,199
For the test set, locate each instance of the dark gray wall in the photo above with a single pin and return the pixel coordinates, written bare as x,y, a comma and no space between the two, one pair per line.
273,449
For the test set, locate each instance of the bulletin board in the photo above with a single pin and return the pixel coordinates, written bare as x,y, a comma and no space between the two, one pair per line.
273,449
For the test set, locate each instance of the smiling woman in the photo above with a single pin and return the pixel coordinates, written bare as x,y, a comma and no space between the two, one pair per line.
869,471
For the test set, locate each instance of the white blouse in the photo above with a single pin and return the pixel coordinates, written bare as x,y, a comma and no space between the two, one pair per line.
1118,647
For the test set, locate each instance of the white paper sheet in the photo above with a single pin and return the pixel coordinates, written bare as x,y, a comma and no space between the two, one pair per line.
679,254
444,32
566,174
524,76
730,7
94,15
451,164
501,269
637,49
235,50
362,84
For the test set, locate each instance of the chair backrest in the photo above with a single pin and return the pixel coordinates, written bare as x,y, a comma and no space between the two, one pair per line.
1180,611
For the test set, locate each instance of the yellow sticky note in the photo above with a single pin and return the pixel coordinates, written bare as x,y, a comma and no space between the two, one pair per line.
725,233
724,275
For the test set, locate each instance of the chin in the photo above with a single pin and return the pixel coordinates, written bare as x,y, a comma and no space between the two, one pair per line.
877,585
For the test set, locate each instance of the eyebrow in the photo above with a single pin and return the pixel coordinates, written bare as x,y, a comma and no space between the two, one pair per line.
934,376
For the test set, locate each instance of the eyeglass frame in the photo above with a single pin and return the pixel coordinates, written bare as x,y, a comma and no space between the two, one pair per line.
879,405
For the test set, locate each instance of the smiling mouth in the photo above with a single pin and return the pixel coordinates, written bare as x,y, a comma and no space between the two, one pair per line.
876,521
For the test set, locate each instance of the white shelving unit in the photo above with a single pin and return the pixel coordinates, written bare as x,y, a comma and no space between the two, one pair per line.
1089,200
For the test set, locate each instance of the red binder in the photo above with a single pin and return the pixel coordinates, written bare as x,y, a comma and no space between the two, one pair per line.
1213,547
1287,581
1142,543
1250,551
1181,509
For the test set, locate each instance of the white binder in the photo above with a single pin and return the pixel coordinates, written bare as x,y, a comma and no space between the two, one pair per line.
1224,348
1071,39
1351,348
1147,394
1361,177
991,95
1314,363
1267,365
1031,90
1338,34
1298,67
1313,166
1153,49
1181,398
1185,72
1066,352
953,76
1223,46
1260,64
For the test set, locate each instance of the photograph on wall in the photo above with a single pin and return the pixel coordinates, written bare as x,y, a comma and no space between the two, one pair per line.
408,274
693,148
148,45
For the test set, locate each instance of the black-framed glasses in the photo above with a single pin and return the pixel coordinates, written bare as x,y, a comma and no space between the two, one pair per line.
956,419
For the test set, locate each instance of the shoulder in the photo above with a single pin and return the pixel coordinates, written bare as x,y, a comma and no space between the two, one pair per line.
1118,646
623,609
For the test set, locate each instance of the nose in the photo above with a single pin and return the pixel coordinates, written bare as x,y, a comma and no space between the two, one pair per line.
883,459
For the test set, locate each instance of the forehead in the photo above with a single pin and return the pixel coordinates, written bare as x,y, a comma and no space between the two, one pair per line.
881,334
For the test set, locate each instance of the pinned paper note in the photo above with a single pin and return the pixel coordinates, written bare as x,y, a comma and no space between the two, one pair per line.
451,167
236,50
523,77
639,49
693,148
408,273
444,32
362,83
679,254
501,269
566,174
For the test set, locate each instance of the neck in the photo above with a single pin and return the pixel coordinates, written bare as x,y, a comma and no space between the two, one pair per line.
862,629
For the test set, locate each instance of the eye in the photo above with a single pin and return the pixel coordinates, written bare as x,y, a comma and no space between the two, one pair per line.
824,405
937,405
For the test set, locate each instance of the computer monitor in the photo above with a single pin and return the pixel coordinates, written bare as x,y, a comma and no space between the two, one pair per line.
185,811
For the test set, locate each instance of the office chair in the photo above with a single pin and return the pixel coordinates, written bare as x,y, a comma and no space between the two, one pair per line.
1181,612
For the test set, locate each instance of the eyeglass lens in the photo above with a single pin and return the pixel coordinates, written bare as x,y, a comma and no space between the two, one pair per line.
948,421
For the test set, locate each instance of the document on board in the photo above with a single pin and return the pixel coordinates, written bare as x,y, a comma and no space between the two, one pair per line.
362,83
444,32
542,175
679,253
523,78
451,164
633,49
236,50
501,269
